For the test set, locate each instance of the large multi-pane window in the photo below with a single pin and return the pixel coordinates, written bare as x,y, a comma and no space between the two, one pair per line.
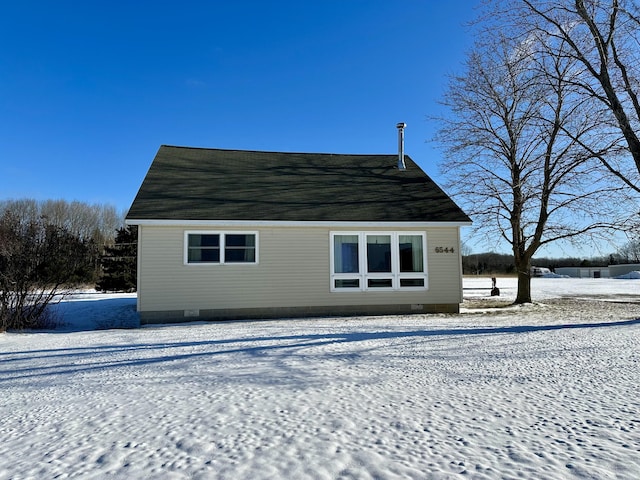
220,247
378,261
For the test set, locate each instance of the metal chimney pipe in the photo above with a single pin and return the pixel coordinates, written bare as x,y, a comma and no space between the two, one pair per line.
400,126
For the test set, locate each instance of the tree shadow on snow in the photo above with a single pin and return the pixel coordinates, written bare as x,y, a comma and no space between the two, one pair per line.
73,357
94,314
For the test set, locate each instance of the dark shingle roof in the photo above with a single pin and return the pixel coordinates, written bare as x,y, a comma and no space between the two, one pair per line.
209,184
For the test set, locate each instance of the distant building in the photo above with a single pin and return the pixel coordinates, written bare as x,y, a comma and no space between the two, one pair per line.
617,270
612,271
584,272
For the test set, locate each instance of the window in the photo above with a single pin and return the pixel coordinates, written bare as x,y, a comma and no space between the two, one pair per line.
411,255
378,261
346,253
379,273
379,253
220,247
203,248
240,248
346,261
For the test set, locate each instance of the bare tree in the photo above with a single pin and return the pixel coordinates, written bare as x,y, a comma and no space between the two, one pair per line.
45,249
84,220
520,143
39,262
94,224
603,37
630,252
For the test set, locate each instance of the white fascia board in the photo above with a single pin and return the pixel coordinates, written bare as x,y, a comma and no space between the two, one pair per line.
270,223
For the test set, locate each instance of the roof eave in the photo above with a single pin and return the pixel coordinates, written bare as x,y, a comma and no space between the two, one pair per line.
277,223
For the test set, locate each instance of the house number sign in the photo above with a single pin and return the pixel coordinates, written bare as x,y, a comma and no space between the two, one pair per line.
445,250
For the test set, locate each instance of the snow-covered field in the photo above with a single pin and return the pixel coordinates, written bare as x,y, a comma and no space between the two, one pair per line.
544,391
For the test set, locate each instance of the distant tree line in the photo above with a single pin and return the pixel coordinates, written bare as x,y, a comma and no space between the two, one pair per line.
491,263
48,248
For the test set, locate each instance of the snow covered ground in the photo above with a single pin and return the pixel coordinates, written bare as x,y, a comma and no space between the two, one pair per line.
543,391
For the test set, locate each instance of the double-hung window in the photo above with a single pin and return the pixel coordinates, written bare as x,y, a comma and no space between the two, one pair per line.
378,261
221,247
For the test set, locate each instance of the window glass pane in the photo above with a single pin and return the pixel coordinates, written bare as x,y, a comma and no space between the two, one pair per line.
247,255
411,254
347,283
379,283
240,248
379,253
235,240
412,282
196,240
203,248
197,255
345,253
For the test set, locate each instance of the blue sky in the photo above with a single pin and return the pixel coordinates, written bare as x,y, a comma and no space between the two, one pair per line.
90,90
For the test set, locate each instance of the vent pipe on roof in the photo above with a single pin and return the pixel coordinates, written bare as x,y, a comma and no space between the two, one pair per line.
400,126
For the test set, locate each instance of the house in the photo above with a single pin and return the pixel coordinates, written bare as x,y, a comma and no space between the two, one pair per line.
226,234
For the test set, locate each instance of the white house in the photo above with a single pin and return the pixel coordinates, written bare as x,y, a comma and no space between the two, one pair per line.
228,234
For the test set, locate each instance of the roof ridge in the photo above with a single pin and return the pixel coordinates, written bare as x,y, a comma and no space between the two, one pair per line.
285,153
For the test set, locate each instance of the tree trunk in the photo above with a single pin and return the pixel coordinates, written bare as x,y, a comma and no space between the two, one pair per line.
524,282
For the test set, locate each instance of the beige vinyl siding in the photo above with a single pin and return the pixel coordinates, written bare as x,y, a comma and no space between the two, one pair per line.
293,270
445,280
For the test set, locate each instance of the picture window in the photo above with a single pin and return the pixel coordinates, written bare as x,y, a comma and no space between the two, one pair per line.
372,261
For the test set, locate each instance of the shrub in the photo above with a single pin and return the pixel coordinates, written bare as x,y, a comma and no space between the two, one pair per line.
39,264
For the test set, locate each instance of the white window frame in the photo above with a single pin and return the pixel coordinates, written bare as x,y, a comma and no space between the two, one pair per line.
347,276
363,276
223,234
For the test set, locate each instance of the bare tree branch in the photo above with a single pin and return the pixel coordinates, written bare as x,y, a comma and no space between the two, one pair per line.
604,37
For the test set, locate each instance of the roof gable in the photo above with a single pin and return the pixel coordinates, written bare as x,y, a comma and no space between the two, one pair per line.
211,184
